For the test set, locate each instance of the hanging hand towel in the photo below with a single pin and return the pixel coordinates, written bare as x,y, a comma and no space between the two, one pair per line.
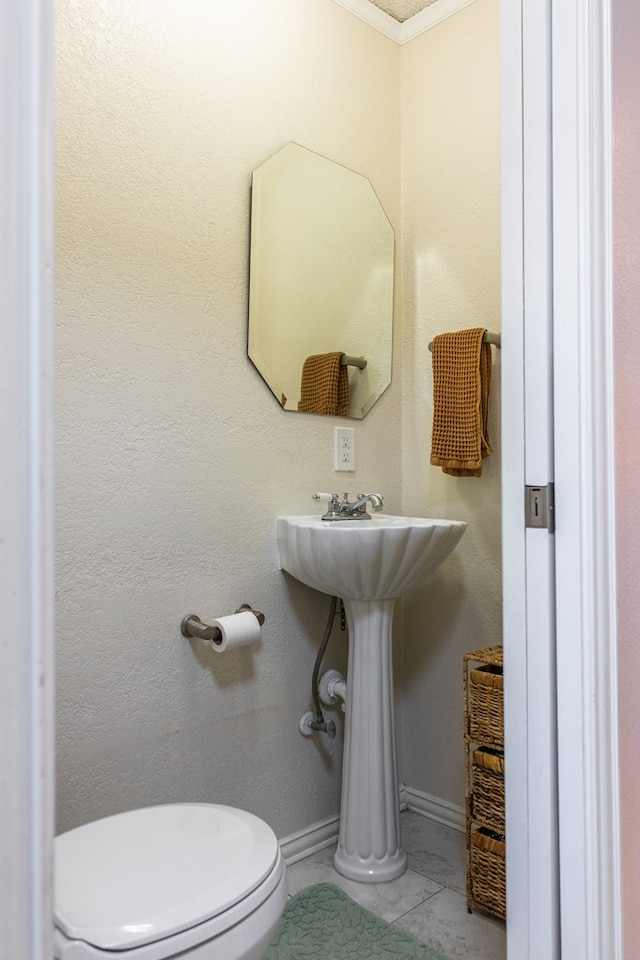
461,391
325,385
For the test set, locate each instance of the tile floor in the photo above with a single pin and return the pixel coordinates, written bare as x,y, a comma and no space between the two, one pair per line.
428,900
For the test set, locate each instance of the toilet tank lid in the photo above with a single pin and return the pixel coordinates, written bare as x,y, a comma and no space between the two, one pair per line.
146,874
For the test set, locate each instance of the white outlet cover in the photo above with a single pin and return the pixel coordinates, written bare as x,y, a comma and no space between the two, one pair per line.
344,449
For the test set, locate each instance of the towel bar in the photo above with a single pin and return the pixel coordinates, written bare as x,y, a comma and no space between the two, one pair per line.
359,362
493,338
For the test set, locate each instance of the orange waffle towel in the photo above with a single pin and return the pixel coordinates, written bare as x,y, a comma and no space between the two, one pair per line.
461,391
325,385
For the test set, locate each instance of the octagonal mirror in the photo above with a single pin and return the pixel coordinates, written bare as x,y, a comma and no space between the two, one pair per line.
321,284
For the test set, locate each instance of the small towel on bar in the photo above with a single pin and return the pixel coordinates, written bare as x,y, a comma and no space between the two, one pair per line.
461,391
324,387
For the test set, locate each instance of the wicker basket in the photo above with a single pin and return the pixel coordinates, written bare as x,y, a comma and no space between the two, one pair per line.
487,794
484,767
486,880
485,710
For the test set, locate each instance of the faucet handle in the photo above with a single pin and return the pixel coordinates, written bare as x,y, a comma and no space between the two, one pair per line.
333,510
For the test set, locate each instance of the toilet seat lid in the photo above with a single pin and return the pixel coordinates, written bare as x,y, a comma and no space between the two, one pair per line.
144,875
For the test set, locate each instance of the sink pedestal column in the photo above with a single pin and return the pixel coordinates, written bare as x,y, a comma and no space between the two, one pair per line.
369,844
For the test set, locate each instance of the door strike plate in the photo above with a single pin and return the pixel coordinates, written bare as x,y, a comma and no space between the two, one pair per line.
539,507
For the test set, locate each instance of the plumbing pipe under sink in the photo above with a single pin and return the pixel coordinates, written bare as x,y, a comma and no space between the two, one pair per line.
333,687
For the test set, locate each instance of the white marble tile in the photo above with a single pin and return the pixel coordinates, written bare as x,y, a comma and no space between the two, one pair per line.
443,923
387,900
435,850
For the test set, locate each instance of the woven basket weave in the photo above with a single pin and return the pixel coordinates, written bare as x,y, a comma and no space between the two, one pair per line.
487,877
484,764
488,788
486,715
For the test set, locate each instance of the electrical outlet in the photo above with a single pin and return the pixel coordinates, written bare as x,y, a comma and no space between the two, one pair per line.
345,449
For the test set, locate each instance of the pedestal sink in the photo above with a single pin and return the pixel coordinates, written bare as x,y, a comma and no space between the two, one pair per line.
368,563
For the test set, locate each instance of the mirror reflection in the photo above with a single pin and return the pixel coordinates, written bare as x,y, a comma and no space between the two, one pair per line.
321,285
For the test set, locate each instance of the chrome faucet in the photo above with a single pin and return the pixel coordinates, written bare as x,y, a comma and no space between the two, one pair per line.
343,510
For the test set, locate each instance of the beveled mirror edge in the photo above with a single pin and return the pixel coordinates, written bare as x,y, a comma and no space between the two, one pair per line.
383,368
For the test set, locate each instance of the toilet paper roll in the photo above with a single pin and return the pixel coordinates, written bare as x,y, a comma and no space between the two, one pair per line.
238,630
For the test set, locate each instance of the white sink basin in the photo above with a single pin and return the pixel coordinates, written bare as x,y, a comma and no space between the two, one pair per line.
368,563
364,559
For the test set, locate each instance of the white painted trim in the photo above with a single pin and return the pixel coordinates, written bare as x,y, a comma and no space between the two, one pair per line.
584,472
375,17
450,814
402,33
519,816
297,846
26,479
539,689
430,17
585,483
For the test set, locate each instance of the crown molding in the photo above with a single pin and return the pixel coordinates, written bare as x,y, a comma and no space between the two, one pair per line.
430,17
374,16
403,32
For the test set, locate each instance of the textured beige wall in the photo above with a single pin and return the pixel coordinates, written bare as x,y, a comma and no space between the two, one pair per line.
173,458
626,229
451,280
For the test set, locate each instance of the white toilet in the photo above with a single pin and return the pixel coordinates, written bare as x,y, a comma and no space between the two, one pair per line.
197,881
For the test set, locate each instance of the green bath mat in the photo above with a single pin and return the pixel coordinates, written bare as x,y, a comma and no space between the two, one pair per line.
323,923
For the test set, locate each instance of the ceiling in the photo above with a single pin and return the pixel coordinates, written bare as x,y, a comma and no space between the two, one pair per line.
402,10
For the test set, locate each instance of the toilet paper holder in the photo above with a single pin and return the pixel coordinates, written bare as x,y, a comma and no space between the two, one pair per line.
192,625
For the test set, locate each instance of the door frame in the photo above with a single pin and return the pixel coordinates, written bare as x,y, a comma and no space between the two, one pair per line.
529,634
588,782
26,478
578,242
590,906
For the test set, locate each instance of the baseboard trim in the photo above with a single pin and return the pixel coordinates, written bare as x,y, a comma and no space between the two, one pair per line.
322,834
441,810
309,840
